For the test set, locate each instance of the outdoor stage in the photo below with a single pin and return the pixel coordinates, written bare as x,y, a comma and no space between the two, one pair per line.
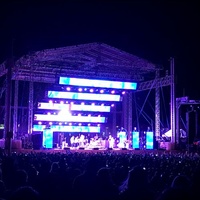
17,147
96,150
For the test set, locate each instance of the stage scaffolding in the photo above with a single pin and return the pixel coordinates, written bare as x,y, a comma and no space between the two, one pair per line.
93,60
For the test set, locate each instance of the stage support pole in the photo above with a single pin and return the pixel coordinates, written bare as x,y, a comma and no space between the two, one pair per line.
7,122
30,111
172,103
30,104
15,114
178,105
157,107
114,133
130,115
127,113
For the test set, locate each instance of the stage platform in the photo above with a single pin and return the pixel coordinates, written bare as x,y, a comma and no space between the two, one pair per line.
95,150
17,147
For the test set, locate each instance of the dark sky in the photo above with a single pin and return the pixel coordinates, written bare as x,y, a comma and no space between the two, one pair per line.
154,31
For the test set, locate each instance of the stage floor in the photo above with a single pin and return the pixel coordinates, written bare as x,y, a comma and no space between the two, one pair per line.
95,150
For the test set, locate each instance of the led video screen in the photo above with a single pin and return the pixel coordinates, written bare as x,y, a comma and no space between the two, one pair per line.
98,83
47,139
53,106
92,108
135,140
149,140
83,96
39,127
68,118
56,128
74,107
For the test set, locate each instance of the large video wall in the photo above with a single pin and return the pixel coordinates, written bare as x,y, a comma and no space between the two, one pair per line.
79,105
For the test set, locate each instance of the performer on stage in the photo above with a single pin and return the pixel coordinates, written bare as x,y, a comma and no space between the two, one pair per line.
76,141
60,139
96,137
72,141
122,138
64,144
111,141
81,140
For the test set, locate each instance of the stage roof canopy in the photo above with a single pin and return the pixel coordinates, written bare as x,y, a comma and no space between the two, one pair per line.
94,60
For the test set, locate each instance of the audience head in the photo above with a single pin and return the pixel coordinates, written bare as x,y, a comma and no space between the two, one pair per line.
25,193
181,182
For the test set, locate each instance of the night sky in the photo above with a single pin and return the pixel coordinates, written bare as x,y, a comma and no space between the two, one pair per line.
154,31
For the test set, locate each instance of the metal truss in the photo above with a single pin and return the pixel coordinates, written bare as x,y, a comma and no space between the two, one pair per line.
3,88
3,69
157,107
15,113
156,84
179,102
93,60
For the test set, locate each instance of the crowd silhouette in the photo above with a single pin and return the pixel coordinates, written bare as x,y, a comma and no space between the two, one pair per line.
99,175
